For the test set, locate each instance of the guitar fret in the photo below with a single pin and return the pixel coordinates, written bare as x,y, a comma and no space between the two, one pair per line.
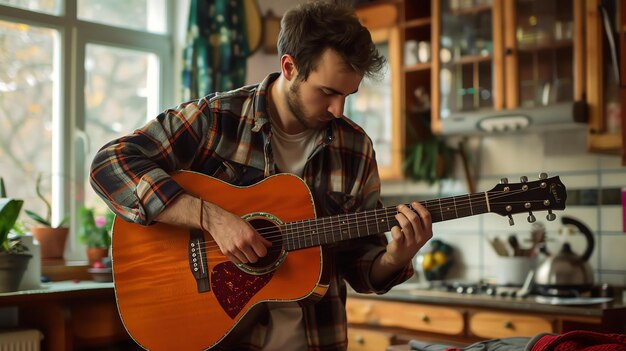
470,204
440,210
285,232
456,212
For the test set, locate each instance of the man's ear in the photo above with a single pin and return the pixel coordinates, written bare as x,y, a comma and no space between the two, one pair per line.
288,67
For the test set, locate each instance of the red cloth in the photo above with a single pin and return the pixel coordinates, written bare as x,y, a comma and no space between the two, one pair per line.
580,340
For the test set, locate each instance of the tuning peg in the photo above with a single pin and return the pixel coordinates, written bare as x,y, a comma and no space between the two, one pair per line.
550,216
523,179
543,175
511,222
531,218
504,181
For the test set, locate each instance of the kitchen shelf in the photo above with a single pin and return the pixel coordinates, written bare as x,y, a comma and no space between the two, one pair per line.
546,46
464,60
471,10
418,22
417,67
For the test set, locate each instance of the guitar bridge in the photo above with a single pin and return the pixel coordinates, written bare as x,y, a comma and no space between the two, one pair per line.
197,260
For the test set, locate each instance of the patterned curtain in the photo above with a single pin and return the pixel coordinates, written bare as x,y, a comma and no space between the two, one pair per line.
216,48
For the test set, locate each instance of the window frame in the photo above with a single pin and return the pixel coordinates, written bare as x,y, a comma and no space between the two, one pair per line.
69,110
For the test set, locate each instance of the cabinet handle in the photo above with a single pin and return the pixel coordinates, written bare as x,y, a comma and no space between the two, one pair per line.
425,318
508,325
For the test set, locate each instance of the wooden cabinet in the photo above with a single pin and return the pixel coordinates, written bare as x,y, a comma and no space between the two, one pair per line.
493,325
622,27
377,105
365,340
459,320
418,317
503,65
71,316
603,34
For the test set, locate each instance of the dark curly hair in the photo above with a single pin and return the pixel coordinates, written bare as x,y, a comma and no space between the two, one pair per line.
310,28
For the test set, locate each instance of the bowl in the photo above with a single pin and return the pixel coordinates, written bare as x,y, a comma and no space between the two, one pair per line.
103,275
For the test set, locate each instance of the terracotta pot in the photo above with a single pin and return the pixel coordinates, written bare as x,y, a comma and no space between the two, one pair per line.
51,241
96,254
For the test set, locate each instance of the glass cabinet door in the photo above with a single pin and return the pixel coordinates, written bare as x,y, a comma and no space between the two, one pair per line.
466,56
544,41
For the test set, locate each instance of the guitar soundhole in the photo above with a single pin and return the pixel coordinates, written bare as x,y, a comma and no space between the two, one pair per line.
271,232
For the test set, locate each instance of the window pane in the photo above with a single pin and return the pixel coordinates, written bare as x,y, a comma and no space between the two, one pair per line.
27,79
46,6
144,15
121,94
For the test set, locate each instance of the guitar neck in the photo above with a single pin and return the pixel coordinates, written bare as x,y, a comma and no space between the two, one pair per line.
328,230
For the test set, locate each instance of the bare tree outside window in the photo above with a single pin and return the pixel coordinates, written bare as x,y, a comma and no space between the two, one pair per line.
26,93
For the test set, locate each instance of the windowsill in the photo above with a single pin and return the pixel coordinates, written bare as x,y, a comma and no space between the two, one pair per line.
58,270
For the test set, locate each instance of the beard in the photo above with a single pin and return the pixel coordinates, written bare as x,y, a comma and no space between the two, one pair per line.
294,102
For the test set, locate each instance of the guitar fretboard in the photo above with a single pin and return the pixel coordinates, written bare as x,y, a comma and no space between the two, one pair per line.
331,229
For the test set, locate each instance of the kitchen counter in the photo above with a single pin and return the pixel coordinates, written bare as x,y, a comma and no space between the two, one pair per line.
72,315
407,313
407,293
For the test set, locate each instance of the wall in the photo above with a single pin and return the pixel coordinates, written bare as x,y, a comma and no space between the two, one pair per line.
560,152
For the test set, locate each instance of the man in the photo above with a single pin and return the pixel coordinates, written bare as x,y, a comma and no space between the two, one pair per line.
291,122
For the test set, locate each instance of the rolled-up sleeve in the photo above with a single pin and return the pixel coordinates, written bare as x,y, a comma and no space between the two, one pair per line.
131,174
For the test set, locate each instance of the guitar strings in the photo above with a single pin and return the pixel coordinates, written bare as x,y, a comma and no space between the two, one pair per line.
351,219
311,233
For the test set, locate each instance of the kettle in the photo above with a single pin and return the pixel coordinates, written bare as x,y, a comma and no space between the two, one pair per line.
566,273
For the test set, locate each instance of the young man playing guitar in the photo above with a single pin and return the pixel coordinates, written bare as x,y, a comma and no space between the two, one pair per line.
292,122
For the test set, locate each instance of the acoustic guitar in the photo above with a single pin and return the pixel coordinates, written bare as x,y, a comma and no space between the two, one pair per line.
176,291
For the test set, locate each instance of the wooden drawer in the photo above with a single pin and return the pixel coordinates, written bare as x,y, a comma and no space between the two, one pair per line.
405,315
368,340
491,325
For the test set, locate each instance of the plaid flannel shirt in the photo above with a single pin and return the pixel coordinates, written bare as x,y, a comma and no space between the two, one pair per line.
227,136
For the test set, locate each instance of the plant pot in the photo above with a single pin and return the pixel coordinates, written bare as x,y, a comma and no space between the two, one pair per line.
51,241
96,254
12,268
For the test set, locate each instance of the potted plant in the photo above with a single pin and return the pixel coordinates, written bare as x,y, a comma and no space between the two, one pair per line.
51,238
13,259
95,233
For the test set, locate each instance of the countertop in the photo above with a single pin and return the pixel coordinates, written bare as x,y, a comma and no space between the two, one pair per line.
407,293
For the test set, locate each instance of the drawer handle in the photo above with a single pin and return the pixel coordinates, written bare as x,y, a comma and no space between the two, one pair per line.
425,318
509,325
360,339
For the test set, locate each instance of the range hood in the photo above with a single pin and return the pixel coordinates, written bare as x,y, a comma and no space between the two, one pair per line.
555,116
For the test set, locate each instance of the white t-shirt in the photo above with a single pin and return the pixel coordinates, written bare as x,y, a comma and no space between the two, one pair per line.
285,330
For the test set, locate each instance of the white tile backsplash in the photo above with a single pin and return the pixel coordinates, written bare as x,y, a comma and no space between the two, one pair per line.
561,153
611,218
612,253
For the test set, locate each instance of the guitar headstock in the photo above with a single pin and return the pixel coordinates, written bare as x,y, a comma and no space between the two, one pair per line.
545,194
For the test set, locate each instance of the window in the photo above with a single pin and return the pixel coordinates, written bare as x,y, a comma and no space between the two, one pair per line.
75,74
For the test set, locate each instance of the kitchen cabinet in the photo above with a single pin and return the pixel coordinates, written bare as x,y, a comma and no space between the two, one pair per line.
507,64
622,31
377,105
71,315
450,318
604,34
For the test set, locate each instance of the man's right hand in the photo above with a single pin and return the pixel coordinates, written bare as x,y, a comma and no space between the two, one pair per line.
236,238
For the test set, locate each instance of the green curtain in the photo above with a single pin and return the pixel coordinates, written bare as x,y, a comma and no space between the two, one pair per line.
216,48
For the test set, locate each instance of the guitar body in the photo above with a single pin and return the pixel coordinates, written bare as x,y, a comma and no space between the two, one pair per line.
165,306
